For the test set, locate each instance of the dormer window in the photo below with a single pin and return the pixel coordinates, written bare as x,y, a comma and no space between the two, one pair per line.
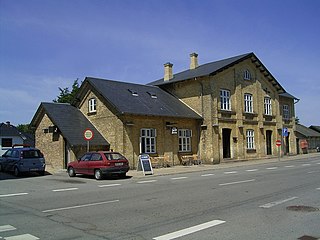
133,92
247,75
92,105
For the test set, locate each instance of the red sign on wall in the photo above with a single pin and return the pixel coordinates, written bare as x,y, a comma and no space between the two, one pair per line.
278,143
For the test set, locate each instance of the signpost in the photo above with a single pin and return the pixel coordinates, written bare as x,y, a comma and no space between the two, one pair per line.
144,164
88,135
278,144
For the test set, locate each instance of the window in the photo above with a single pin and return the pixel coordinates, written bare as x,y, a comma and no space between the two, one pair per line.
248,105
267,106
148,140
92,105
285,112
184,140
225,100
6,142
247,75
250,139
96,157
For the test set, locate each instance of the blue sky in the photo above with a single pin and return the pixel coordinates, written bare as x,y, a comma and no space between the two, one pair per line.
47,44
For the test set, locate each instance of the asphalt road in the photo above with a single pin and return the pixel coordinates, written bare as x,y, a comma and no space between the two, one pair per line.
278,200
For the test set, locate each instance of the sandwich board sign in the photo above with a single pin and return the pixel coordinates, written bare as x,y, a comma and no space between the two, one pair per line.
144,164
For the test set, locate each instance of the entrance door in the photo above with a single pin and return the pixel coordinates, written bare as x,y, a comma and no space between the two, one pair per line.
226,134
269,142
287,147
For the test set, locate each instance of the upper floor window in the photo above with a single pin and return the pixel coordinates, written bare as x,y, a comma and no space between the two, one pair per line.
250,139
247,75
6,142
248,103
92,105
225,103
285,112
267,106
148,140
184,140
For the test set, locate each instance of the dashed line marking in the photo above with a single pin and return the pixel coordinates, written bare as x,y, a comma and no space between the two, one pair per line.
272,204
252,170
64,189
232,172
178,178
80,206
272,168
289,166
207,175
306,164
189,230
5,228
147,181
109,185
13,194
22,237
231,183
318,188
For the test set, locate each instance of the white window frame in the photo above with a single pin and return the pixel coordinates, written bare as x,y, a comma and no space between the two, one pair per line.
250,139
248,103
185,136
247,75
225,102
267,106
148,140
92,105
285,112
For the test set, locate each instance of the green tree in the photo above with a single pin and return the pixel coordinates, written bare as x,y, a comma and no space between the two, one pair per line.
67,96
25,128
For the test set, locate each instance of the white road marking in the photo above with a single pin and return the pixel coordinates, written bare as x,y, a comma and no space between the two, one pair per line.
5,228
289,166
252,170
318,163
272,204
231,183
13,194
178,178
313,172
64,189
306,164
22,237
110,185
207,175
147,181
189,230
271,168
230,172
318,188
80,206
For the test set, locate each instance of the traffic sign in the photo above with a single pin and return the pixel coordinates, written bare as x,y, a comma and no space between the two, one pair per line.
278,143
285,132
88,134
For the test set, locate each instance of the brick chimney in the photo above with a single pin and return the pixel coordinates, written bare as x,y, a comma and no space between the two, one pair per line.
193,61
168,71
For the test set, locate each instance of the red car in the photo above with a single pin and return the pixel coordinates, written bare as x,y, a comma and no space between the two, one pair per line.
99,164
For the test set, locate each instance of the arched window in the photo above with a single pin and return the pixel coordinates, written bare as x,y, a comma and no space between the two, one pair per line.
247,75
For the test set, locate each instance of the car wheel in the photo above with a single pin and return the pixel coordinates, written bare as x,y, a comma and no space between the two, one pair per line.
42,173
98,174
71,172
0,168
122,175
16,171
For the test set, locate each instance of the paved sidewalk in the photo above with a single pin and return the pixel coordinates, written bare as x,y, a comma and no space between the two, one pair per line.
203,167
206,167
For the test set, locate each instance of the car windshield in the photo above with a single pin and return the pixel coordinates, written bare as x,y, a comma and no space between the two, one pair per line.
114,156
31,154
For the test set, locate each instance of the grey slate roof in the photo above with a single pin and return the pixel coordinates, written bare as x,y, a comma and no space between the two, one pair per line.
307,132
8,130
130,98
315,128
202,70
71,122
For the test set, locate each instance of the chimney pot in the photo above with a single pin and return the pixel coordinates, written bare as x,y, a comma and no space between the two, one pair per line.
168,71
193,60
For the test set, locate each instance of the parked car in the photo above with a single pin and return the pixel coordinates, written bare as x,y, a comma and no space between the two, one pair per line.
99,164
21,159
